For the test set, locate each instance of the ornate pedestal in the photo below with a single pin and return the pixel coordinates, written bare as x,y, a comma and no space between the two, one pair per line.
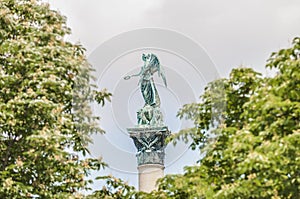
150,144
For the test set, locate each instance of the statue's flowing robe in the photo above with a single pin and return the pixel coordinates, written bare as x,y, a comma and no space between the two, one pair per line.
150,93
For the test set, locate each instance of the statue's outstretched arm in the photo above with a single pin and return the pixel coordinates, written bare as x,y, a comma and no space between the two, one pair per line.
138,73
134,75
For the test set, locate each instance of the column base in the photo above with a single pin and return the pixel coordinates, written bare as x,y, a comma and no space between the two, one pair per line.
148,176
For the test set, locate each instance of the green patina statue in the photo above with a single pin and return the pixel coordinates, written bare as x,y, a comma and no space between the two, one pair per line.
150,133
150,114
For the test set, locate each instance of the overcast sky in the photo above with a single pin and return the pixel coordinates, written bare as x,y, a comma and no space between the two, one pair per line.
232,32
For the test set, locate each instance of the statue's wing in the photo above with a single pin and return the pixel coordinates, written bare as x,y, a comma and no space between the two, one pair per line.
161,73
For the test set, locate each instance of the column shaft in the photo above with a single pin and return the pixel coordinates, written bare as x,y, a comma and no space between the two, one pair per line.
148,176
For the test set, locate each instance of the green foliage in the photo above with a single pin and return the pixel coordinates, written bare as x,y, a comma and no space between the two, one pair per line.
101,96
45,94
252,148
114,188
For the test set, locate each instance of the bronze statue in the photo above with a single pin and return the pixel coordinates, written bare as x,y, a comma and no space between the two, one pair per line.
146,83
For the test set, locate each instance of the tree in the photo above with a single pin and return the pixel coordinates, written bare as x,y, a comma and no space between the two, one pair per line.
252,146
45,95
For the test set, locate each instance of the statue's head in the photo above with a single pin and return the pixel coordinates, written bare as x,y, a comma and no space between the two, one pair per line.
151,59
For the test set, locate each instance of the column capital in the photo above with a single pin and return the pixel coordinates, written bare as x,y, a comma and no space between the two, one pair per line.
150,144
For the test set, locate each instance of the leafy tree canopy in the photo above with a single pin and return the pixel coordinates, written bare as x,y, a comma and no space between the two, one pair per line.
45,94
250,137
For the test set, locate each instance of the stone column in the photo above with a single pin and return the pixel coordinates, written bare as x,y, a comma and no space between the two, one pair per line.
150,144
148,175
